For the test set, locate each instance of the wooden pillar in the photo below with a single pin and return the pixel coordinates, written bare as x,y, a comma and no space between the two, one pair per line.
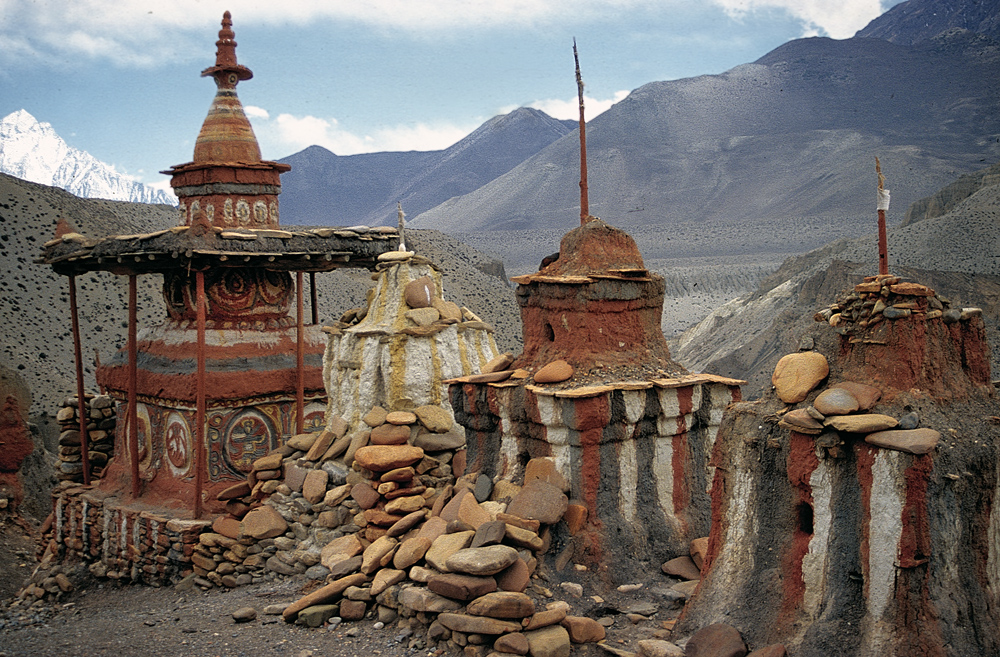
199,441
133,375
314,299
300,374
80,402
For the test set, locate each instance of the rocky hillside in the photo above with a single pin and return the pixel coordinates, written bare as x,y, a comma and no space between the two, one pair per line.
37,342
326,189
956,253
918,20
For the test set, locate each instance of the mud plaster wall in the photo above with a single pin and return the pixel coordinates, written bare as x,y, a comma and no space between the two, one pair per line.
638,459
879,552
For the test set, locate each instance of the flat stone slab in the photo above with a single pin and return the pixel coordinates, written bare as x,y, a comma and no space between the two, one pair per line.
382,458
864,423
481,561
541,501
912,441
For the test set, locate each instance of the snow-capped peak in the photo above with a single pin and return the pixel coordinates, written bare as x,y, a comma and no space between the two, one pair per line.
31,150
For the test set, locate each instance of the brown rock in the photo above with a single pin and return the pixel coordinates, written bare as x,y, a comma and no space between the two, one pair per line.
375,417
262,522
410,551
385,578
351,610
399,475
502,604
488,533
461,587
295,476
341,548
345,566
390,434
271,461
499,363
555,372
659,648
864,423
551,641
322,595
471,513
405,505
449,309
381,458
422,599
381,518
364,495
800,420
445,546
372,557
438,442
478,624
866,395
450,510
514,643
481,561
545,618
241,489
544,468
699,550
359,439
718,640
682,567
419,293
912,441
583,630
515,577
320,445
314,487
911,289
227,526
401,418
541,501
434,527
434,418
523,538
523,523
797,374
836,401
302,442
407,523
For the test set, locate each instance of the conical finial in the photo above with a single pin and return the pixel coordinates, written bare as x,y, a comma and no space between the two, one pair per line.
227,71
402,219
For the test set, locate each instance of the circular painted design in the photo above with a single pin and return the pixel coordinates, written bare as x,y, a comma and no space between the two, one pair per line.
232,294
178,447
243,212
195,207
260,212
227,210
274,211
232,291
275,288
145,436
182,209
210,211
314,417
246,437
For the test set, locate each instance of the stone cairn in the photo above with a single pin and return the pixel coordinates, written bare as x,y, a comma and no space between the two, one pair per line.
101,422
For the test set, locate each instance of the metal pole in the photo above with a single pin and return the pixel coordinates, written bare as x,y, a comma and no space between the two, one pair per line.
315,298
80,402
300,379
199,418
133,374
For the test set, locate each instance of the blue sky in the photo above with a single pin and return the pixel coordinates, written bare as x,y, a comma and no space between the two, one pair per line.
120,79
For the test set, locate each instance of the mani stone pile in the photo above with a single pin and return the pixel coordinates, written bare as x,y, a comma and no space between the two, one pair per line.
392,538
885,297
842,410
101,421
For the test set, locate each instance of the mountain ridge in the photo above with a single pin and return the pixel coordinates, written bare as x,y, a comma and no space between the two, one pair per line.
33,151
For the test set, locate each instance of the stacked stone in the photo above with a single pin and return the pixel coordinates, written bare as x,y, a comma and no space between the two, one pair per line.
101,422
841,411
887,297
458,565
317,487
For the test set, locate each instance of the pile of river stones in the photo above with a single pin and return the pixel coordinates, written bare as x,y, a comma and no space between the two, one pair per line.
378,521
842,410
887,297
101,422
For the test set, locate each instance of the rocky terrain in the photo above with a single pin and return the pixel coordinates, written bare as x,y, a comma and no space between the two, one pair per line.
955,252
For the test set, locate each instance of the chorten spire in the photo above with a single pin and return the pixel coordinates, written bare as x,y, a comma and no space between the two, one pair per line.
226,135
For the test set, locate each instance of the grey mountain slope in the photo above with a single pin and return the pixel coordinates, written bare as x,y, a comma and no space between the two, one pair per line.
324,188
918,20
957,253
36,342
792,134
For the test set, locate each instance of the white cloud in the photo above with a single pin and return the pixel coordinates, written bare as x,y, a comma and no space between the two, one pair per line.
141,33
255,112
288,134
570,109
839,20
